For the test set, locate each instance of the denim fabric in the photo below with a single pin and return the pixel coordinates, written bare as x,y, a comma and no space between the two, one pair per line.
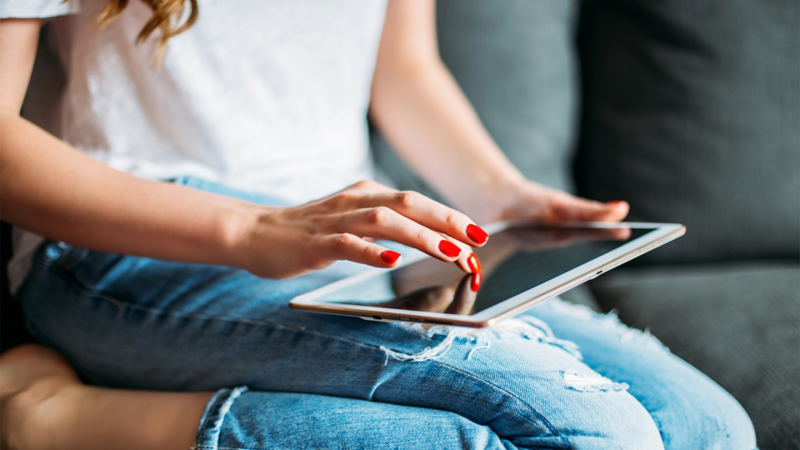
557,376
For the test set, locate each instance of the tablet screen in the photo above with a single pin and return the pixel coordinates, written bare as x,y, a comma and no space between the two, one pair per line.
513,261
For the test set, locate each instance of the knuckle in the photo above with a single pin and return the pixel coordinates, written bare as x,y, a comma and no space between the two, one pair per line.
316,222
366,253
364,184
348,197
406,199
339,200
421,236
452,219
341,242
330,204
378,215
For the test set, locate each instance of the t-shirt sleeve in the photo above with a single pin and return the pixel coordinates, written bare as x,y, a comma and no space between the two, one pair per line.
29,9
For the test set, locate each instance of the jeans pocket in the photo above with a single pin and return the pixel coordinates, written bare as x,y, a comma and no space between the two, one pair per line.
87,267
59,254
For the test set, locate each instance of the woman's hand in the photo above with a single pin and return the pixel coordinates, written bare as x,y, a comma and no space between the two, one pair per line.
532,201
286,242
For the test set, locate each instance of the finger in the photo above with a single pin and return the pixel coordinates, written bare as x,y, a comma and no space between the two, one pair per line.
351,197
467,261
464,297
384,223
429,213
566,207
349,247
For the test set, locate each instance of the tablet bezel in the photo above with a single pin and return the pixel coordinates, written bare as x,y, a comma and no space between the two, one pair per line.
662,233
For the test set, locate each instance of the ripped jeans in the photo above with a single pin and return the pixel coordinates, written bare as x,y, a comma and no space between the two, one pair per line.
557,376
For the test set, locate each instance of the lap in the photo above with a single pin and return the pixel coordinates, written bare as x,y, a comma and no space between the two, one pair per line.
133,322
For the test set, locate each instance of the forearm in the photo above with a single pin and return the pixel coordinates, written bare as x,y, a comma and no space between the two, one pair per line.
428,120
50,188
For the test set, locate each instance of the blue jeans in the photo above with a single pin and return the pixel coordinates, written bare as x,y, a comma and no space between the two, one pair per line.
557,376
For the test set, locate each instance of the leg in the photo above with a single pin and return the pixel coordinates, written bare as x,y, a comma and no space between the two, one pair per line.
132,322
690,409
258,420
44,406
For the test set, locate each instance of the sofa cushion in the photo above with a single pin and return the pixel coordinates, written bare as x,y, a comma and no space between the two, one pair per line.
516,62
737,323
691,113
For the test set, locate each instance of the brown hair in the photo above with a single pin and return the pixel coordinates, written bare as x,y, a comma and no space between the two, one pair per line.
166,18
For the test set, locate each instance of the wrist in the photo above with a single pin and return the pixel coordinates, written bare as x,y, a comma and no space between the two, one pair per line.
238,225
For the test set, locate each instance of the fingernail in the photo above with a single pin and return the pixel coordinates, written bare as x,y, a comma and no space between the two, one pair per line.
615,203
474,263
477,234
449,249
389,257
475,284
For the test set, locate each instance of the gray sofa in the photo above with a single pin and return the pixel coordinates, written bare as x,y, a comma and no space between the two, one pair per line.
689,110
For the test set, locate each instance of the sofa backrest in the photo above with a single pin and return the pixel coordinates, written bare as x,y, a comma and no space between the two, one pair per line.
692,114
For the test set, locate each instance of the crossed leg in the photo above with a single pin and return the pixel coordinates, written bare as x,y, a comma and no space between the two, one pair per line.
44,406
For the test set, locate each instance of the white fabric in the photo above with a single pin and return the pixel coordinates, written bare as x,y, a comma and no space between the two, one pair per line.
267,96
28,9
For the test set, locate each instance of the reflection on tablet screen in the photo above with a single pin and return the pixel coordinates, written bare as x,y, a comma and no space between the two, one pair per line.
513,261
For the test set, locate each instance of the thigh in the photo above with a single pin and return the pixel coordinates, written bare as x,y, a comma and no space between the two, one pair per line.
690,410
246,419
134,322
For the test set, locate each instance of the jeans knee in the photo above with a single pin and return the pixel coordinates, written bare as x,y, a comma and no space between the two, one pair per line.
633,427
613,420
714,423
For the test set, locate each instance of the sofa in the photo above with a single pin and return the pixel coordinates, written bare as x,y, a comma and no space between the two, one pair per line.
690,111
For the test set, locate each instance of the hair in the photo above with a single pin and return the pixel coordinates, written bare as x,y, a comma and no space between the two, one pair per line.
166,19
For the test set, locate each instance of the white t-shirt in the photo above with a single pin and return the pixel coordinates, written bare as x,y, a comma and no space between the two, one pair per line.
267,96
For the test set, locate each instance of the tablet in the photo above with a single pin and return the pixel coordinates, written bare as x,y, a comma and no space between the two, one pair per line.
522,265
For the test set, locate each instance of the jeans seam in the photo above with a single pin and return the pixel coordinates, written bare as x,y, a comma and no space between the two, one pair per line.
209,447
118,301
82,288
238,448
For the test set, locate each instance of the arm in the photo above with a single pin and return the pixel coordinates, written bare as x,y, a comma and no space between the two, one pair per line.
420,109
53,189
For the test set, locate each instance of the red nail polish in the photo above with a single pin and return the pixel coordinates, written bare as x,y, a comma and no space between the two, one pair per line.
477,234
615,202
449,249
475,283
389,257
474,263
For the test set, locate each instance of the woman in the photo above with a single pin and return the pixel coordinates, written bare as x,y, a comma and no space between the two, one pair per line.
268,101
